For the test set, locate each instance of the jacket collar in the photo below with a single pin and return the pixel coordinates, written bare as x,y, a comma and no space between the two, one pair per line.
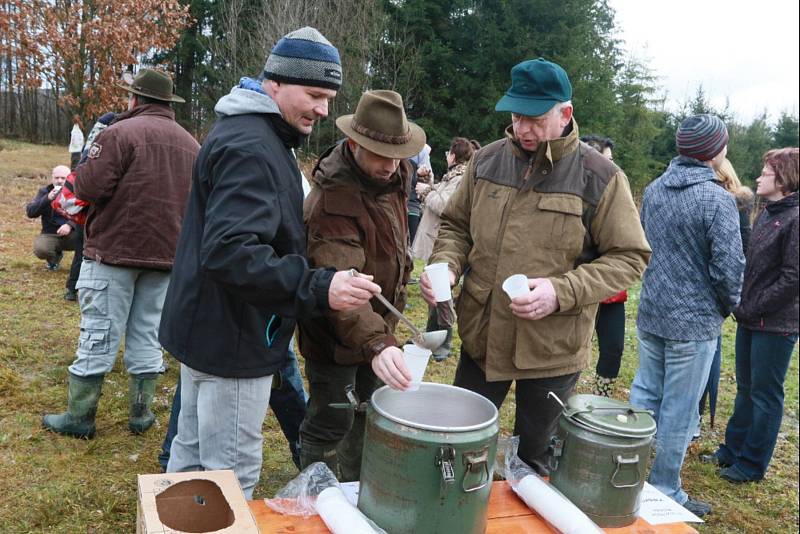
549,152
156,110
337,168
786,202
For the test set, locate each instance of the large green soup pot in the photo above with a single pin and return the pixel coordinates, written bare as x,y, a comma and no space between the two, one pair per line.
600,455
428,460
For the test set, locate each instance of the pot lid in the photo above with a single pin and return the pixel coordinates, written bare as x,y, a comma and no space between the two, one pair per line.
609,416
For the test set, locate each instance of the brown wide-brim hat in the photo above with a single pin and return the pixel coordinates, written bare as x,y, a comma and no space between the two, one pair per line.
150,83
380,125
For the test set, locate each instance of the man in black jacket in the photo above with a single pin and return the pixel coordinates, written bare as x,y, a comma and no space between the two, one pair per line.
58,234
241,278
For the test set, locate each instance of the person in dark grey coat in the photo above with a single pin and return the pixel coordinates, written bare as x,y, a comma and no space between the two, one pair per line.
692,283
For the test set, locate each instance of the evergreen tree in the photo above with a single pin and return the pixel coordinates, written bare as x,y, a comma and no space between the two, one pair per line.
787,131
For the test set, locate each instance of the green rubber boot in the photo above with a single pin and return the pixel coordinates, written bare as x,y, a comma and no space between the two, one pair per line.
82,398
141,390
311,453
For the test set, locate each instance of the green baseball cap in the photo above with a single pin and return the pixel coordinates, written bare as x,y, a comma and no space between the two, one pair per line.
536,86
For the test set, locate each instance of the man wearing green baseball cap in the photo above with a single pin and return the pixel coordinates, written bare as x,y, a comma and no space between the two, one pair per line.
538,202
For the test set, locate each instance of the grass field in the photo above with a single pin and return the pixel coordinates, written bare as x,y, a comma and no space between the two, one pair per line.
50,483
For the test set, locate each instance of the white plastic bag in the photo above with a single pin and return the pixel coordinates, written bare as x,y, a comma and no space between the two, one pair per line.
316,491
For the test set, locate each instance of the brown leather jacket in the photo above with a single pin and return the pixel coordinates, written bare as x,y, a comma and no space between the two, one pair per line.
137,178
355,222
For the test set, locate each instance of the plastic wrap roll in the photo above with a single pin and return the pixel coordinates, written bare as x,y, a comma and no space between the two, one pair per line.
339,515
553,507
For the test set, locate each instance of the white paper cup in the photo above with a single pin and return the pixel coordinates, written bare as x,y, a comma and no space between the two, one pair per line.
439,275
516,285
416,360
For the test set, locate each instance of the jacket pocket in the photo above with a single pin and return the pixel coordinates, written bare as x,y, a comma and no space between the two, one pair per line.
94,337
93,295
473,311
559,223
555,341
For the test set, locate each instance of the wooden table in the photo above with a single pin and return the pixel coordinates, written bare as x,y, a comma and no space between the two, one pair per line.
507,515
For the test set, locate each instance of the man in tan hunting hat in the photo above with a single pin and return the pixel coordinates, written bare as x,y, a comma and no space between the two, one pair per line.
136,177
356,219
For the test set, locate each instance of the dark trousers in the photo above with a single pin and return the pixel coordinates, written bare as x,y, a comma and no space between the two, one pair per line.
712,384
335,435
536,414
610,329
413,224
77,259
432,325
762,360
288,402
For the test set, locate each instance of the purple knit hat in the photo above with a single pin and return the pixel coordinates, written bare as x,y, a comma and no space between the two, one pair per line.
701,137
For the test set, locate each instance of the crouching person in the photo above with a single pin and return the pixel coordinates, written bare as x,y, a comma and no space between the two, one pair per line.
136,178
58,234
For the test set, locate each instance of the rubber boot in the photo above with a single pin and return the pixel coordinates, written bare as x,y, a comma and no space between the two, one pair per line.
83,394
141,390
310,454
603,386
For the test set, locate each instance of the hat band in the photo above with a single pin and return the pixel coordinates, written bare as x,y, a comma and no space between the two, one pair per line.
150,91
380,136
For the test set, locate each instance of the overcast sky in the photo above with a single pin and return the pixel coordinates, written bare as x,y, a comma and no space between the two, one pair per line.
742,52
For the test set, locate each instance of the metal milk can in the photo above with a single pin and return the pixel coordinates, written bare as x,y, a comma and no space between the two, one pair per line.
428,460
600,455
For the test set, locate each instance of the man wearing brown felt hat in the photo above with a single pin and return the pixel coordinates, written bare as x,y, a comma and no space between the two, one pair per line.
356,219
136,176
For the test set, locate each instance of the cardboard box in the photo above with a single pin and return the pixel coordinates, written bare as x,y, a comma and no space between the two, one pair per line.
202,501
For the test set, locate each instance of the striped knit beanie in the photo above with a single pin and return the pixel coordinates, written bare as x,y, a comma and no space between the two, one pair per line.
701,137
305,57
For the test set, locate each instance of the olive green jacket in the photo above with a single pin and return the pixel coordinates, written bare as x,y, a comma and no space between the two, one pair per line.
565,213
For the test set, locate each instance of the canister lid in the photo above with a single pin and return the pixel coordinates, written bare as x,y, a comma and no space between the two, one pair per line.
609,416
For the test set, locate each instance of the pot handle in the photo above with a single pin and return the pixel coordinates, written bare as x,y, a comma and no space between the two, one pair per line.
620,461
474,462
353,402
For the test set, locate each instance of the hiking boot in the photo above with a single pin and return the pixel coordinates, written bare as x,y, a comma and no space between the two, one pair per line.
141,390
71,295
735,475
603,386
55,264
82,398
698,508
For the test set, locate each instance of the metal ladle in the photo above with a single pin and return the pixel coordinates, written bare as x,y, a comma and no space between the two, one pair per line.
428,340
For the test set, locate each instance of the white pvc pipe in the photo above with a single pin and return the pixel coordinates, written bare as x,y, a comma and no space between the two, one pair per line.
339,515
553,507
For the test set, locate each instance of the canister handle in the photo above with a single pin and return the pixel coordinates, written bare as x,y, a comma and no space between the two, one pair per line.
620,461
473,461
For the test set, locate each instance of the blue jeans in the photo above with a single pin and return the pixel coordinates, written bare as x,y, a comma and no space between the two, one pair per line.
219,426
288,402
669,382
117,301
762,360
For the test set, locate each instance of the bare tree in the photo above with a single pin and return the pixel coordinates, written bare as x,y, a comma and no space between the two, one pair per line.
250,28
